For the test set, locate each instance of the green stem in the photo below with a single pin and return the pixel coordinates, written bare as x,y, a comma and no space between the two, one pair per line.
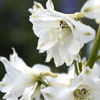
41,81
95,50
80,67
44,83
97,58
76,69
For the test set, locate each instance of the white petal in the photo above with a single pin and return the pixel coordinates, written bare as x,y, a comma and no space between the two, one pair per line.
50,5
69,50
6,84
54,52
15,94
49,31
54,93
12,98
8,66
36,8
60,80
48,58
74,46
40,68
16,60
44,24
91,73
71,72
16,63
70,45
29,92
96,68
71,57
16,78
91,9
84,78
45,44
82,32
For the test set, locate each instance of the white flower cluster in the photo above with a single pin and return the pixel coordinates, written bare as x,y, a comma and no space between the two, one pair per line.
59,34
24,83
62,36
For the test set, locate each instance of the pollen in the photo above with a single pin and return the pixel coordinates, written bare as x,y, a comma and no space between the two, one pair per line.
63,24
81,94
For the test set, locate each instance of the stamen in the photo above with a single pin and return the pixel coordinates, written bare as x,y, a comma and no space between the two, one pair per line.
63,24
81,94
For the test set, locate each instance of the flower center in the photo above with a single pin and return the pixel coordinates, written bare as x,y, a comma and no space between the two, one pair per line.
64,27
63,24
82,94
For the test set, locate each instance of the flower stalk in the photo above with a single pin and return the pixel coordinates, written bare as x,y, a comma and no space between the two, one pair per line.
95,50
97,58
80,66
76,68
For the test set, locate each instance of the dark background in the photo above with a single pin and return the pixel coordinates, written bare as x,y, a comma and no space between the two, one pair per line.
16,30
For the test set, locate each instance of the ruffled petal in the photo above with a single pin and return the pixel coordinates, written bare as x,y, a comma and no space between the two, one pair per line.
36,8
50,5
91,9
40,68
55,93
82,32
60,80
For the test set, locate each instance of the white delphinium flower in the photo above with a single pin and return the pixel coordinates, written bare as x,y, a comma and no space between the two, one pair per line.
86,86
22,82
59,34
91,9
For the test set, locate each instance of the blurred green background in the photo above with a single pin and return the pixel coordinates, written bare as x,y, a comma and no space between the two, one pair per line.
16,30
